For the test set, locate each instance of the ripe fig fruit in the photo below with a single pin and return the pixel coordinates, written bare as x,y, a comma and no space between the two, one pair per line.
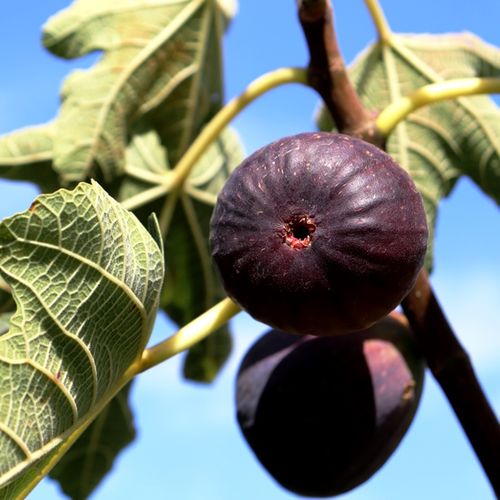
318,233
323,414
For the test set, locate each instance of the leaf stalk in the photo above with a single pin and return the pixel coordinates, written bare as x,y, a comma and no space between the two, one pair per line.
209,134
378,17
212,130
188,335
398,110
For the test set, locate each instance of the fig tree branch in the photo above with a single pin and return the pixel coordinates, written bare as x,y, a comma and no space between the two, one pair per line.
454,372
445,356
327,73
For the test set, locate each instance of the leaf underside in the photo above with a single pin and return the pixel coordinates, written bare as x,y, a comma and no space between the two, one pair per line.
438,143
26,155
86,277
159,59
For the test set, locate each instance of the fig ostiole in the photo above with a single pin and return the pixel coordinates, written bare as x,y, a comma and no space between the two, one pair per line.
323,414
318,233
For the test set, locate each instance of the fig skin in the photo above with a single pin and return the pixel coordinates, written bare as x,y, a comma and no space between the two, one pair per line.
323,414
318,232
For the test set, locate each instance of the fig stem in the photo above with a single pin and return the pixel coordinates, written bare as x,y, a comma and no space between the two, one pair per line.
378,17
176,177
453,370
328,75
188,335
398,110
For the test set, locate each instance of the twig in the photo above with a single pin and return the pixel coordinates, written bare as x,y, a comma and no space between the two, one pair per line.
451,367
328,75
445,356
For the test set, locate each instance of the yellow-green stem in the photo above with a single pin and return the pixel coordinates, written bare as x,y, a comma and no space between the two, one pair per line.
429,94
258,87
188,335
167,211
146,196
378,17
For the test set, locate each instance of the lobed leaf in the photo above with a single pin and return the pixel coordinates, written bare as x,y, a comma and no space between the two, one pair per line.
436,144
26,155
86,277
160,58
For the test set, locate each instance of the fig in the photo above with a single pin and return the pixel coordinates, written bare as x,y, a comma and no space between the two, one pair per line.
323,413
318,233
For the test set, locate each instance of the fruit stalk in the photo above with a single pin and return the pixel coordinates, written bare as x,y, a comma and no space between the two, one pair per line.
454,372
328,75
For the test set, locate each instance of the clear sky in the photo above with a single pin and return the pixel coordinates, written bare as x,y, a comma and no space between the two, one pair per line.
188,445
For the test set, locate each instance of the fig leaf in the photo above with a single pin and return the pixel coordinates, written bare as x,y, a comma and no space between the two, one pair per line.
86,276
158,58
26,155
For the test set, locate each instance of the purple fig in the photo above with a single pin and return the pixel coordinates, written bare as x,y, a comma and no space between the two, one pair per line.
318,233
323,414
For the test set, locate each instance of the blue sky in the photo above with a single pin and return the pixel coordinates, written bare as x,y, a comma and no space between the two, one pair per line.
189,447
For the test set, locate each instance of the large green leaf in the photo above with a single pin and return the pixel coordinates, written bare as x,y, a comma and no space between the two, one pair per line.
193,285
438,143
159,58
86,277
26,155
87,462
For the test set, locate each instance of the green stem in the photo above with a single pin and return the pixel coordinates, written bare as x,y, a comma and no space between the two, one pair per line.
167,212
188,335
378,17
258,87
429,94
146,196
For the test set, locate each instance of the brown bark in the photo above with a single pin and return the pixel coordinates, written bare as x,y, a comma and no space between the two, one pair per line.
445,356
328,75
